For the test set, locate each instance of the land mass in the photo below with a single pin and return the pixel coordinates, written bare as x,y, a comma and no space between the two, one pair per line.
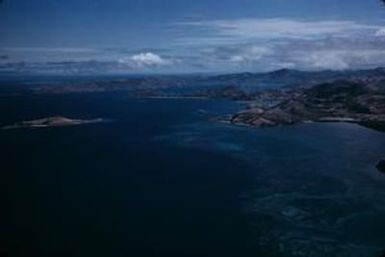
277,98
57,121
359,101
281,97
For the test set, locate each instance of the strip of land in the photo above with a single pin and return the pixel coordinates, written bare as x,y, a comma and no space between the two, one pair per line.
57,121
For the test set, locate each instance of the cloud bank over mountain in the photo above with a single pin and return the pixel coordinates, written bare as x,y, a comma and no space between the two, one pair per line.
275,43
222,45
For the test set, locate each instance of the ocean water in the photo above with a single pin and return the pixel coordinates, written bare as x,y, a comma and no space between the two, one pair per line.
160,178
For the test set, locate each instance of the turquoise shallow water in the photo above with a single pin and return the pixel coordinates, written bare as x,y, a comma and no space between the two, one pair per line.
316,191
161,179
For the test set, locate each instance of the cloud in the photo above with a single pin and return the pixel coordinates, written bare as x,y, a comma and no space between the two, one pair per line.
52,54
268,44
330,53
147,60
380,32
251,53
246,55
230,31
138,62
228,45
325,59
49,49
78,60
338,53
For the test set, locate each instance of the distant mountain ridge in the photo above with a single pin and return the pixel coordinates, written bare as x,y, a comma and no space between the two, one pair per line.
182,84
289,77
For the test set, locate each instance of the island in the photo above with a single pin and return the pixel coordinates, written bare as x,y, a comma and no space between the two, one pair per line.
56,121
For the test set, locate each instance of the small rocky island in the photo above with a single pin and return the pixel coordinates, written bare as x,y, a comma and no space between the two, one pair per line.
56,121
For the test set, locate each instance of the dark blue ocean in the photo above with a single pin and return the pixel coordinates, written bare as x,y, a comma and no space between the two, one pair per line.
160,178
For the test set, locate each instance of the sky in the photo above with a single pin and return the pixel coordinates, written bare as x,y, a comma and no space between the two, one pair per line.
167,36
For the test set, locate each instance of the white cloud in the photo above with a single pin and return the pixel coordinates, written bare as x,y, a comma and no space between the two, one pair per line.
148,59
145,60
268,29
333,60
331,53
266,44
248,55
237,59
380,32
232,45
337,59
